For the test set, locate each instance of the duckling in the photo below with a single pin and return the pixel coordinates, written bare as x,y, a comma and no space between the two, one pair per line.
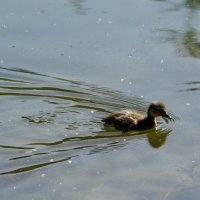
126,120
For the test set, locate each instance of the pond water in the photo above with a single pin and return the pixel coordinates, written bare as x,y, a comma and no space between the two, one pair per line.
66,64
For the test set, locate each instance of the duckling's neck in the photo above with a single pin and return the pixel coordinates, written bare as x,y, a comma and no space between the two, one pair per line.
147,123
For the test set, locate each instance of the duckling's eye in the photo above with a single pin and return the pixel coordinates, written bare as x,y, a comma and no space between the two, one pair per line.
155,110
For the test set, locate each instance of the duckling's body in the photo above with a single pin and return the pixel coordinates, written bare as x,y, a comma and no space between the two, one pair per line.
126,120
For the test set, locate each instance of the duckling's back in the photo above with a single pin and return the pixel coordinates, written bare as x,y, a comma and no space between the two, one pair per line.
124,120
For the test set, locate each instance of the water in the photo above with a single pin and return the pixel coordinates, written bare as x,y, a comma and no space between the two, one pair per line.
64,66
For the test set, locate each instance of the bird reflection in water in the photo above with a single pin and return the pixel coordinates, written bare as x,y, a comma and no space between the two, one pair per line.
156,137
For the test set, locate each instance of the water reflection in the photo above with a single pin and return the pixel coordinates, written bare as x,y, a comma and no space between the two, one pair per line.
187,42
78,6
192,4
156,139
33,167
60,119
192,86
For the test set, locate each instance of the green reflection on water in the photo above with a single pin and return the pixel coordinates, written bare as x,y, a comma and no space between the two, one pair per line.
186,42
192,4
33,167
78,6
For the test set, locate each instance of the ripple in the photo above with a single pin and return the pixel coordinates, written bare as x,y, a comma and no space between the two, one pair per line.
60,119
192,86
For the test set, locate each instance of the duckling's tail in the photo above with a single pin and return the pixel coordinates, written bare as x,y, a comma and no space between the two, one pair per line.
107,120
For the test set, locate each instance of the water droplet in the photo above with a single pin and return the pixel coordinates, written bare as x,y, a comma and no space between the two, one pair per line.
187,104
99,20
107,34
123,79
1,61
69,161
42,11
4,26
43,175
92,111
161,61
14,187
52,160
130,55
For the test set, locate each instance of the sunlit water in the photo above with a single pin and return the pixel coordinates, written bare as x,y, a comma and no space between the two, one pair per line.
64,66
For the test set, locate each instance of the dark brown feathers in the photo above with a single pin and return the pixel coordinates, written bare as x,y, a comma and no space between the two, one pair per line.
126,120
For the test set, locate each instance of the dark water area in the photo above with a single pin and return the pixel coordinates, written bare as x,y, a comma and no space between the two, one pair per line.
65,65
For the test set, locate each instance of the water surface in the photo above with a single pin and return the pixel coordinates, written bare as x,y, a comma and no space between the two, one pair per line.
67,64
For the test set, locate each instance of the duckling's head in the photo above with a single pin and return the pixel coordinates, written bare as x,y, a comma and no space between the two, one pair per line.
157,109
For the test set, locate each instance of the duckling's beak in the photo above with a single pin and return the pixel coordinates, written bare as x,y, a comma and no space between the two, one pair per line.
165,116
